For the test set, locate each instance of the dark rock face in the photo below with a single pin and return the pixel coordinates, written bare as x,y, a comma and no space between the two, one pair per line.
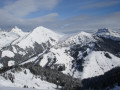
5,60
108,56
75,49
78,61
38,48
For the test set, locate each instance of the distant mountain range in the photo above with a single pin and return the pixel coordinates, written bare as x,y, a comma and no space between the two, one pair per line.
40,59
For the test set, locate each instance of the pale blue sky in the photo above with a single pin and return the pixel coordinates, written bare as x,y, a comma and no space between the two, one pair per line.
67,16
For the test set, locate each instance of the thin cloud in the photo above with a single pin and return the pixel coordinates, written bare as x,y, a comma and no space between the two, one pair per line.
90,23
13,13
21,8
29,24
79,23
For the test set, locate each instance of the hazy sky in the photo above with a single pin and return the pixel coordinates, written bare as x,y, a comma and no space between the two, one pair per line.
60,15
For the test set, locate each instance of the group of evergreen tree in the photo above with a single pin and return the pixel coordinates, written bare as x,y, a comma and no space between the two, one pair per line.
53,76
109,79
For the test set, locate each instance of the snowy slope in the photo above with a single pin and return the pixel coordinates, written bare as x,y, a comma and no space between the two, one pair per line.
16,88
58,57
25,78
7,53
81,38
12,37
39,35
1,65
96,63
107,33
6,38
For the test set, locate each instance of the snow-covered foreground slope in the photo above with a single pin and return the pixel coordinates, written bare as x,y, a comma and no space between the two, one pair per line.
116,87
16,88
26,79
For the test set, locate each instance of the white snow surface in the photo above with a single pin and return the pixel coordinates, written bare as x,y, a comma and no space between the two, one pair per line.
96,63
11,63
1,65
16,88
39,35
27,79
7,53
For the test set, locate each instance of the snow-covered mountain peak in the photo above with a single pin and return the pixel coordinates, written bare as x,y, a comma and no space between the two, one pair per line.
6,38
45,31
104,30
107,33
17,31
40,35
81,38
41,28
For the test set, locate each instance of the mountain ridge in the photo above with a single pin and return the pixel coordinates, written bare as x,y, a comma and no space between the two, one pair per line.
107,33
84,55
